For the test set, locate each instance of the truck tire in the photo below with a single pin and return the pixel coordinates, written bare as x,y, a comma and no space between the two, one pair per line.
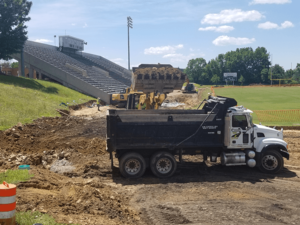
271,162
163,164
132,165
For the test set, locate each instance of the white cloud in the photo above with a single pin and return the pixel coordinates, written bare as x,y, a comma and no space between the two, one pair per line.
73,24
225,40
43,40
85,25
221,29
254,2
179,57
162,50
207,28
268,25
232,15
286,24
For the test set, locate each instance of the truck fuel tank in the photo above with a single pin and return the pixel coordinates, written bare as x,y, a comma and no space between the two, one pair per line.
233,159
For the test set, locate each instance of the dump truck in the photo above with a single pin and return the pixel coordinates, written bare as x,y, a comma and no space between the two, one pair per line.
150,85
220,130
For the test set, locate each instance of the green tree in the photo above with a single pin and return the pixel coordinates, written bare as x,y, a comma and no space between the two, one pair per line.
276,72
15,65
265,75
296,76
216,67
215,79
254,65
248,62
196,70
13,15
241,80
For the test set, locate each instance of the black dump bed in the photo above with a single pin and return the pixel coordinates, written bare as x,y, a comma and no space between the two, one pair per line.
165,129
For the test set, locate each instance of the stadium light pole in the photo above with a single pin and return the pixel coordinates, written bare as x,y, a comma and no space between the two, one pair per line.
129,25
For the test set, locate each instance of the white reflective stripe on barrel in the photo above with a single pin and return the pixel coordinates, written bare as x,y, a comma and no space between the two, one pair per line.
7,215
7,200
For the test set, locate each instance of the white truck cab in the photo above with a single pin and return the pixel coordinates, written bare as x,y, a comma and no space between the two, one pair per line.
260,145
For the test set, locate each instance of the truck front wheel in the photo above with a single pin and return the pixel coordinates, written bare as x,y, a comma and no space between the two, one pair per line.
163,164
271,162
132,165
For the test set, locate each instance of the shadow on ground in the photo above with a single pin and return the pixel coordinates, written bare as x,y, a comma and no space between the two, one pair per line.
27,83
200,173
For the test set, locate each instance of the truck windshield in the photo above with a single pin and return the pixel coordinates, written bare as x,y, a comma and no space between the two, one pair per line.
239,121
123,91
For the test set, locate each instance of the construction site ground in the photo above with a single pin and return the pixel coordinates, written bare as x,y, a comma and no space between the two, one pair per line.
73,180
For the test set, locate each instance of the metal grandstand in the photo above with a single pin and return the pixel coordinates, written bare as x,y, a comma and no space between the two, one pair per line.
87,73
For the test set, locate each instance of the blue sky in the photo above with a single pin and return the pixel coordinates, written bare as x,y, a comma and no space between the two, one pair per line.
166,31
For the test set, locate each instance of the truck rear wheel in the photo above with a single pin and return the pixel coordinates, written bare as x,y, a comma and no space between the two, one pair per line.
132,165
163,164
271,162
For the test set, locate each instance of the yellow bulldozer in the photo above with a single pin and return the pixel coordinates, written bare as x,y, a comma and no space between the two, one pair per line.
150,85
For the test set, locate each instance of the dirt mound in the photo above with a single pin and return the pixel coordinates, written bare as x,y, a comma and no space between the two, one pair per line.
191,100
86,135
79,201
154,71
82,105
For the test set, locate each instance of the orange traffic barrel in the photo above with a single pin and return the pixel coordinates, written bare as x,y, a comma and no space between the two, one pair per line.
7,204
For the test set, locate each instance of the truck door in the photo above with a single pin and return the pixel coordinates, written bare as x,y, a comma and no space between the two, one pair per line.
240,132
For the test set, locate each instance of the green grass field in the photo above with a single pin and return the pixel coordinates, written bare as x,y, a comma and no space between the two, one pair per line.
23,100
265,98
29,218
15,176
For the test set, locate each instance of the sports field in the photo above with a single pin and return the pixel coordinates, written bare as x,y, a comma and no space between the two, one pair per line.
266,98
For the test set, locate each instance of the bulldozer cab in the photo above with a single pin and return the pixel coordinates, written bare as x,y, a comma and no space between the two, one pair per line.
123,91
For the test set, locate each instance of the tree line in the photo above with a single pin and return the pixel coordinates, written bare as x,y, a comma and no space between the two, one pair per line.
251,67
13,33
8,64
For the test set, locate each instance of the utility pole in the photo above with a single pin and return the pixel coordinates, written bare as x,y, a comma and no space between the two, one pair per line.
129,25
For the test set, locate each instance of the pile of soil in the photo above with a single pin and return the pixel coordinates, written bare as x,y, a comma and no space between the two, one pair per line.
190,100
87,135
159,71
63,144
74,200
82,105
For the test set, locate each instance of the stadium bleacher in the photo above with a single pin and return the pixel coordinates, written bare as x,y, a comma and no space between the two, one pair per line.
92,70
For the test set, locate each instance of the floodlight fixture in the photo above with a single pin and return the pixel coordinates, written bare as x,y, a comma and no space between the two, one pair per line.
54,40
